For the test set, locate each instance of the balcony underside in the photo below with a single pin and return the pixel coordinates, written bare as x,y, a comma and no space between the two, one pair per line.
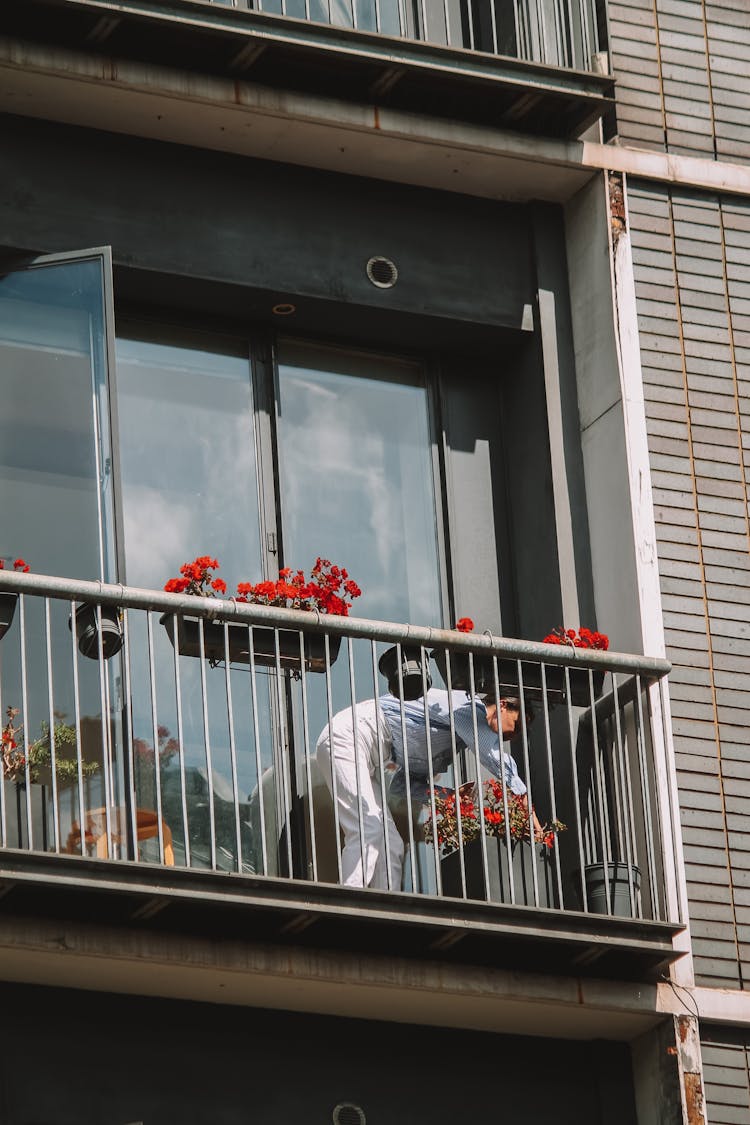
234,907
321,59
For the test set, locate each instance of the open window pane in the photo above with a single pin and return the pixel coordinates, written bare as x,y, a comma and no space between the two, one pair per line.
52,376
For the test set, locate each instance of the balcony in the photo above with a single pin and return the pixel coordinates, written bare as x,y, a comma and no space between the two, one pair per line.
165,769
533,65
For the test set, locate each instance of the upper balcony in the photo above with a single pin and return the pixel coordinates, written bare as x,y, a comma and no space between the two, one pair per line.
539,66
163,760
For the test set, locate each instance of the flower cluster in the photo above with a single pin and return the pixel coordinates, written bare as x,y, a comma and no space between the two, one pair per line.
327,590
492,812
18,564
581,638
39,752
464,625
197,578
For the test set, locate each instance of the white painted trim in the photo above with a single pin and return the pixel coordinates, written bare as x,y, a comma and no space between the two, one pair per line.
560,491
649,590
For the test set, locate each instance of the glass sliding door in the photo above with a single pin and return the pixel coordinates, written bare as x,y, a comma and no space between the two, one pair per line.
357,486
189,469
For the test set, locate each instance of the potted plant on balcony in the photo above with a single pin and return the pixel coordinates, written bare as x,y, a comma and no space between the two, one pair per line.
491,814
8,600
608,888
326,592
38,754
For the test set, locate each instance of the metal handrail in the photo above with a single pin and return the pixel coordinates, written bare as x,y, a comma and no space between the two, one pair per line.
229,609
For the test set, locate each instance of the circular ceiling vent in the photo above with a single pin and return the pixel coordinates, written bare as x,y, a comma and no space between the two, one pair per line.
346,1113
382,272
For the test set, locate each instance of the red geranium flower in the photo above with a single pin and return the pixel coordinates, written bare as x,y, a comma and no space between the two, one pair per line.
465,625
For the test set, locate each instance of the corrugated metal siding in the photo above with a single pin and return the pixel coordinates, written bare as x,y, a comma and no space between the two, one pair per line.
726,1081
682,71
692,269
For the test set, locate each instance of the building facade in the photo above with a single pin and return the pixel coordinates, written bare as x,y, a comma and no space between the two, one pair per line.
456,295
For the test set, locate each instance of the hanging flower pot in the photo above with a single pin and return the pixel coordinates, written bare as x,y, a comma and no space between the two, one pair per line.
8,604
87,630
8,601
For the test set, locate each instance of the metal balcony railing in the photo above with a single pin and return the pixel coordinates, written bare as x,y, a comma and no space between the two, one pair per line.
178,731
563,33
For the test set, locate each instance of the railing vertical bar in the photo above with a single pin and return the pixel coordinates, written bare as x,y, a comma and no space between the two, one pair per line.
402,25
306,747
334,786
407,772
106,725
77,720
424,35
646,797
480,787
232,748
552,790
446,14
51,721
357,764
470,19
25,716
132,800
377,16
431,773
181,752
517,30
672,811
625,781
207,745
542,29
600,793
155,732
258,756
504,786
493,23
286,784
529,795
456,774
381,770
576,794
3,808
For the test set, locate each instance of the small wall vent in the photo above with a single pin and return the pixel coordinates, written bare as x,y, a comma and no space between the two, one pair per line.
382,272
346,1113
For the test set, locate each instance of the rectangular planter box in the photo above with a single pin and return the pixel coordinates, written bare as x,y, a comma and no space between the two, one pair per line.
484,680
497,869
184,633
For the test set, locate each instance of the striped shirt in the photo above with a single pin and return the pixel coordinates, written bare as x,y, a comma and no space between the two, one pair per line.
438,720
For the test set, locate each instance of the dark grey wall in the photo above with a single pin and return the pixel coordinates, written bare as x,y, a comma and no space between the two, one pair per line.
263,226
111,1060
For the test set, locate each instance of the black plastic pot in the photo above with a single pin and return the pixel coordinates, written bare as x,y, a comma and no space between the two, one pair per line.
87,630
184,633
610,894
8,604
